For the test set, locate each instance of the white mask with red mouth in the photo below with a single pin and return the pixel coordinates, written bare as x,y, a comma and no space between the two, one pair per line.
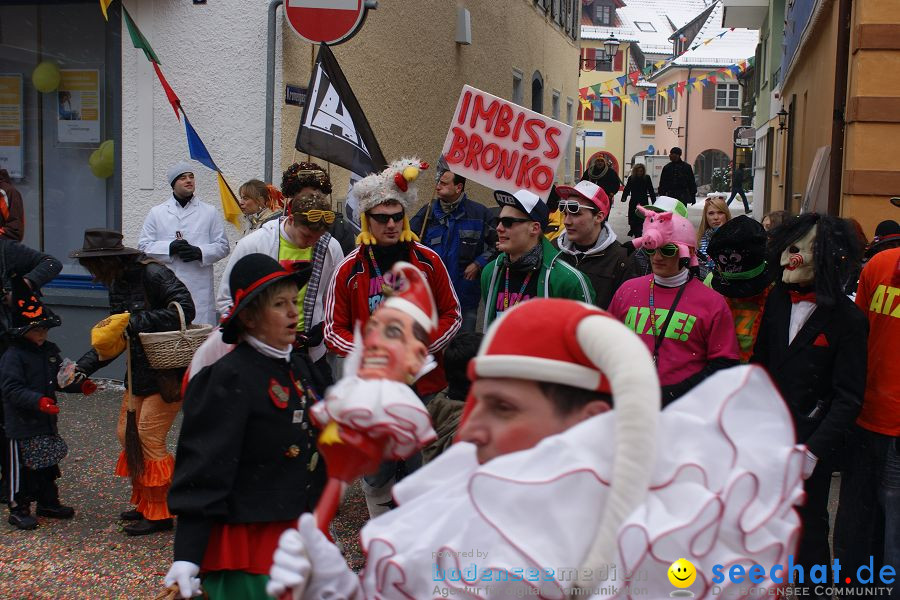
797,259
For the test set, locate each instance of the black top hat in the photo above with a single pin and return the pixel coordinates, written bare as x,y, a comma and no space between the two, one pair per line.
739,249
28,311
251,275
102,242
886,232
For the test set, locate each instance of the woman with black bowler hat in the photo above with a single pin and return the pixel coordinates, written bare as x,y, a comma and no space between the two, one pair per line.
246,466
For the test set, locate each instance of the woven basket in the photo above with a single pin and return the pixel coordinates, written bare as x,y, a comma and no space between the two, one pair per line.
174,349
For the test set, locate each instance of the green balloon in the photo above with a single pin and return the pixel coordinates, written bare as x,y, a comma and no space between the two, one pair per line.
45,76
103,160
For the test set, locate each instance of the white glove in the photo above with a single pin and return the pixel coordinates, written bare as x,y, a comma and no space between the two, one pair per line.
184,573
305,557
809,463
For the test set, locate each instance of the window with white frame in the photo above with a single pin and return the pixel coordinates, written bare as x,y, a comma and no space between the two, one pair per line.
517,92
728,96
673,102
644,25
648,115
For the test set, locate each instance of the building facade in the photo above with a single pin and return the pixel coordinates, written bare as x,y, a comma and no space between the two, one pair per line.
405,65
701,115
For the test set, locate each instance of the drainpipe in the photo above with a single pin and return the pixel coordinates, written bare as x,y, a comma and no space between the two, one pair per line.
270,88
842,65
687,116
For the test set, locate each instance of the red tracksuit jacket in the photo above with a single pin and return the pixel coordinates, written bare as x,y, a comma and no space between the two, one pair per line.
348,302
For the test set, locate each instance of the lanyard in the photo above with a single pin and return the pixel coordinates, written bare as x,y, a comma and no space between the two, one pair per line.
659,333
521,291
385,288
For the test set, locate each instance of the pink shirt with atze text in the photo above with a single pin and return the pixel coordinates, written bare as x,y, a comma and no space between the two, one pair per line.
700,330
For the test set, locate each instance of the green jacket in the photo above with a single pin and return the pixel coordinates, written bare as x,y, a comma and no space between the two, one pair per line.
557,279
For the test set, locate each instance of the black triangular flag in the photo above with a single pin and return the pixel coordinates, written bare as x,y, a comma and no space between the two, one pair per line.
333,126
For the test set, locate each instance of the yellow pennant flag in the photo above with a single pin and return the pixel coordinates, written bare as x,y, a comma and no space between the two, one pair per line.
104,4
626,99
230,206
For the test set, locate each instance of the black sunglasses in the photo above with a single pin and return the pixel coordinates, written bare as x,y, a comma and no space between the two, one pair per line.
508,222
383,219
669,250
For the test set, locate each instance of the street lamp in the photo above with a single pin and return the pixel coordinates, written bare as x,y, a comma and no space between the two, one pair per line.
782,119
677,130
611,47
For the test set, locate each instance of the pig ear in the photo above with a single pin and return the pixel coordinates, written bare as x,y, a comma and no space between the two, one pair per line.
663,217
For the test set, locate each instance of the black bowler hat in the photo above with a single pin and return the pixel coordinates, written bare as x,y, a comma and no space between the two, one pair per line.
102,242
250,276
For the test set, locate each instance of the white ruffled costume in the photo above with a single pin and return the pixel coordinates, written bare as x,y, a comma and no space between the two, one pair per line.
726,479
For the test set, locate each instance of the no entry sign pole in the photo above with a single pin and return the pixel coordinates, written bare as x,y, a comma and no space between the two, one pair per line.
316,21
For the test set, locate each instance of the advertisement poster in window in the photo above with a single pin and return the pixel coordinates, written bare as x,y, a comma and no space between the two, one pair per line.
78,114
11,123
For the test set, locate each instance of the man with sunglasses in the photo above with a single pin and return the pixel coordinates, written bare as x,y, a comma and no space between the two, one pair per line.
687,326
364,279
589,243
528,265
296,240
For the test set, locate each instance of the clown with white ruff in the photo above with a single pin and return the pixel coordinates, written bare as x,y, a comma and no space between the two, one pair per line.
565,462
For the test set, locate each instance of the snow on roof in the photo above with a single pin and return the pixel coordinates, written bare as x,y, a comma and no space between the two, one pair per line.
731,48
648,23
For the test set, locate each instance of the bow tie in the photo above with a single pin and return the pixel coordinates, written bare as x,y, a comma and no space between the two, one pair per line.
802,297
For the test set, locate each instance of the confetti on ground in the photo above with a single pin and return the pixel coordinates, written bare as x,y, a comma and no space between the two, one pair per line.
89,557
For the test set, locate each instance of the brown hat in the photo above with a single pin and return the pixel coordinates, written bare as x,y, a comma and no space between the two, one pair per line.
102,242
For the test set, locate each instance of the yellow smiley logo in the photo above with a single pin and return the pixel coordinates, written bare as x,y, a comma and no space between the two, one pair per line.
682,573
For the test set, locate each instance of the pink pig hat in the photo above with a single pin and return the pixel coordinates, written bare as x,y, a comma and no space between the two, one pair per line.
668,228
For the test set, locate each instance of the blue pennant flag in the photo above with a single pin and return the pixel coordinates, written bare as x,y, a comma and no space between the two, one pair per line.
622,79
196,147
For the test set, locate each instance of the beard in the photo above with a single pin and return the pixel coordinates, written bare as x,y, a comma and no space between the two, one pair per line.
385,410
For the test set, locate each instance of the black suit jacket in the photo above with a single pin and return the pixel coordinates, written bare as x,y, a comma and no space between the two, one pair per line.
822,373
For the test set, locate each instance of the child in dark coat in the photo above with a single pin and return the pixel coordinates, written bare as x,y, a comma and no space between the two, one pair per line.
28,372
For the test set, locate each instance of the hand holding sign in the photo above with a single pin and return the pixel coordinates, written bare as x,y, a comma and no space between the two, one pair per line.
504,146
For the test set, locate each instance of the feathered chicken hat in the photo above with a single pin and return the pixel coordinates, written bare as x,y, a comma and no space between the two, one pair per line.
396,183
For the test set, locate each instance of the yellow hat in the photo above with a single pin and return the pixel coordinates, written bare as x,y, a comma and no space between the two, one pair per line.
108,336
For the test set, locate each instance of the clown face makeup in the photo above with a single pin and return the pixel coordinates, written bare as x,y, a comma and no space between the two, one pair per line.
391,349
797,259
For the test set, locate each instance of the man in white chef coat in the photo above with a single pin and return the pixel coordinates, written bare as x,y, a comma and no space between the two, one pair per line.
189,236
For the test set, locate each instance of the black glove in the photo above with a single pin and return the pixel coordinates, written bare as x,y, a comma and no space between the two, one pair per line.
190,253
176,246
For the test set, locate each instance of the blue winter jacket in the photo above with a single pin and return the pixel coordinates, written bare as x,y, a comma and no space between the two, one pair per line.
458,238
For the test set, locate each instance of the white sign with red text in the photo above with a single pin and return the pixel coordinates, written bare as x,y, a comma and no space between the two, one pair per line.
504,146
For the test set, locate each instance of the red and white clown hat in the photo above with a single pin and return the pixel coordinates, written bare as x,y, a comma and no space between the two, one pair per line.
571,343
412,295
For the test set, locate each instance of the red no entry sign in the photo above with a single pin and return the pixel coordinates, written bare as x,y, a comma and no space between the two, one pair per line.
325,21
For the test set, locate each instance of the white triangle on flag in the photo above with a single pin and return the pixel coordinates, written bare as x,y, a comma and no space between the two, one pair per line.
331,117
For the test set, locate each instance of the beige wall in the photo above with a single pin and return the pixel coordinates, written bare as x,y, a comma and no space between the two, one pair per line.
407,72
812,81
872,147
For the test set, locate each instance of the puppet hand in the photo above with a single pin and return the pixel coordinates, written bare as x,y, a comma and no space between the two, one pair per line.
290,564
327,574
184,574
809,463
88,387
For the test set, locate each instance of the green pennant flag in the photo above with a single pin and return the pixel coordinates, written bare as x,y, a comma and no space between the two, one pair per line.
138,39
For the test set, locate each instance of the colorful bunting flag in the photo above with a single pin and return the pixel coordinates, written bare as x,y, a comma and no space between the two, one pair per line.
622,80
680,87
642,94
634,77
230,207
197,148
170,94
104,4
138,39
634,99
712,78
